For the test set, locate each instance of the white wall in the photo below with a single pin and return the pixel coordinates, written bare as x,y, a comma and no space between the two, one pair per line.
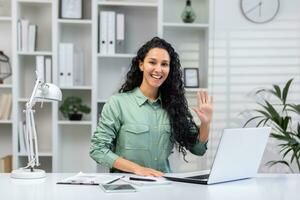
245,56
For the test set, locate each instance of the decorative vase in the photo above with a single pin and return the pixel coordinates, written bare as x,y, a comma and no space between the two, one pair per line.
188,15
75,117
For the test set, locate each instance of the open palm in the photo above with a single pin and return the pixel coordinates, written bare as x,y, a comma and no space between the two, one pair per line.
204,107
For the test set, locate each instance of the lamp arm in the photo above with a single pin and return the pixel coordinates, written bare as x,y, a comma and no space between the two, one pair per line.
31,101
35,142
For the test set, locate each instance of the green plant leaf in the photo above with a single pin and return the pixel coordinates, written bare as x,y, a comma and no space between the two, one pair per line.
286,90
251,119
271,163
277,91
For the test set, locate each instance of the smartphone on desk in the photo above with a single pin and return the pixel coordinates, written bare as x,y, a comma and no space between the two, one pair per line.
111,188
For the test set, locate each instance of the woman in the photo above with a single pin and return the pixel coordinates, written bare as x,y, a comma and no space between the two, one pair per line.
140,125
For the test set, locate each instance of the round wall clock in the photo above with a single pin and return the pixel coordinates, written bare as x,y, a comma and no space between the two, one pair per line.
260,11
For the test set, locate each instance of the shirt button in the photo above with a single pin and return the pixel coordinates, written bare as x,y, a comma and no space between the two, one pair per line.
155,158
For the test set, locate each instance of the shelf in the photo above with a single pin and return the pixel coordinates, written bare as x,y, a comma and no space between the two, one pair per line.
9,86
76,88
184,25
116,55
5,121
67,122
74,21
41,154
35,53
5,19
35,1
121,3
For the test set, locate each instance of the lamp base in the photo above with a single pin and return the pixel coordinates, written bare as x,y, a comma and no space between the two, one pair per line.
28,174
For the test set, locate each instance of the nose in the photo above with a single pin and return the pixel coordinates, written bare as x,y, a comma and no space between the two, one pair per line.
158,68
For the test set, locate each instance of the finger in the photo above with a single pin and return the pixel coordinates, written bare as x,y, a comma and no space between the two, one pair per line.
205,97
202,96
198,98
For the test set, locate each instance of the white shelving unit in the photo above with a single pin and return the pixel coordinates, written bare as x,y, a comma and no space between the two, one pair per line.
6,126
63,144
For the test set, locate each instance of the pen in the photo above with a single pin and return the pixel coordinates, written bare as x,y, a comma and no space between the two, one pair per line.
141,179
114,180
74,183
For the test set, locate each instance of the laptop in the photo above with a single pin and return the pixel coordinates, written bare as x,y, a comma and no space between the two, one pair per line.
238,157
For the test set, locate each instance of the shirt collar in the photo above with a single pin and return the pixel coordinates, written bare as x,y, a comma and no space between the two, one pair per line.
141,98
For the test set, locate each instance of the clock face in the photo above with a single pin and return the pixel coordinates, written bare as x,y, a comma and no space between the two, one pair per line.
260,11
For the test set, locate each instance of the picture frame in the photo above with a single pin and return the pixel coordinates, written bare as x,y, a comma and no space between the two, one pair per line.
191,77
71,9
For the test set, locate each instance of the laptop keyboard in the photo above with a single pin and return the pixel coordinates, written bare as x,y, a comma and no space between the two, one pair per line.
204,176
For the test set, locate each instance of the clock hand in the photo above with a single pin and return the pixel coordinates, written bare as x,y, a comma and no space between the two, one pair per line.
251,9
260,8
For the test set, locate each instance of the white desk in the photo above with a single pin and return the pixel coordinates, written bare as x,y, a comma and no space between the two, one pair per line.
264,187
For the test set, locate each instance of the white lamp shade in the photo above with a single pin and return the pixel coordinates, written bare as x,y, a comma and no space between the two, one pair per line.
49,91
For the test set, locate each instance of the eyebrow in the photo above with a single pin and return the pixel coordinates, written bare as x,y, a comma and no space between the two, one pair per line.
162,60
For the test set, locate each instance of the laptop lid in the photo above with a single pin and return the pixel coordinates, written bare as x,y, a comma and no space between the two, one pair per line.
238,157
239,154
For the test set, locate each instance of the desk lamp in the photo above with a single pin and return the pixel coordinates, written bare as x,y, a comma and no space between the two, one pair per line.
43,91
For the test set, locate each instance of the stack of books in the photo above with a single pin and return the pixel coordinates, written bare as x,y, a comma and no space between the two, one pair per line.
26,35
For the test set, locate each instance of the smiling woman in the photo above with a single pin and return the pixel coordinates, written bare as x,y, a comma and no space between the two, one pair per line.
139,126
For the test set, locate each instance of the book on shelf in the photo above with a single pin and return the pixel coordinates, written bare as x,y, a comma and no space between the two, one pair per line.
71,9
6,164
120,36
5,106
79,67
32,35
40,67
48,70
26,35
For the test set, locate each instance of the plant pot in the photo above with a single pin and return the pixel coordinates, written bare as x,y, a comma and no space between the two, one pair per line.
75,117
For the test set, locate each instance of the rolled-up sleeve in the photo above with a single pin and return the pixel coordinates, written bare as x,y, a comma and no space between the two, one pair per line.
199,148
106,132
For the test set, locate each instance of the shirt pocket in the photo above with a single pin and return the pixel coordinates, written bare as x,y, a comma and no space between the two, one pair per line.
165,140
135,136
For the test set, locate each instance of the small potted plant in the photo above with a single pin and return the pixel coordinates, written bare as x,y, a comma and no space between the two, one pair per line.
72,108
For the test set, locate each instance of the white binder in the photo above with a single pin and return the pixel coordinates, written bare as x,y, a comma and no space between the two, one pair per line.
40,63
48,70
69,56
62,65
24,24
103,40
120,33
111,32
32,32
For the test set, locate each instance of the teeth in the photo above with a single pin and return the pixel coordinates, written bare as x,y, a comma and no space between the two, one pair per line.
156,76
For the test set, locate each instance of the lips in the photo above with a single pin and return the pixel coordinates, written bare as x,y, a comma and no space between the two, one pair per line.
157,77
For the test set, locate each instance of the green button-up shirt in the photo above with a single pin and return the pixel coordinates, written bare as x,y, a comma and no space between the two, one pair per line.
136,129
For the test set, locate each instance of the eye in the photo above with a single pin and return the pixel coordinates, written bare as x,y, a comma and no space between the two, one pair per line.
152,62
165,64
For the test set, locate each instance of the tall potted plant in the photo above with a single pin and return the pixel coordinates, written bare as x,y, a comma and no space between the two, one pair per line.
282,117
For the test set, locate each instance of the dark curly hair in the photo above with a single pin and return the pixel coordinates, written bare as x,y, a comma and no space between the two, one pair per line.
172,94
